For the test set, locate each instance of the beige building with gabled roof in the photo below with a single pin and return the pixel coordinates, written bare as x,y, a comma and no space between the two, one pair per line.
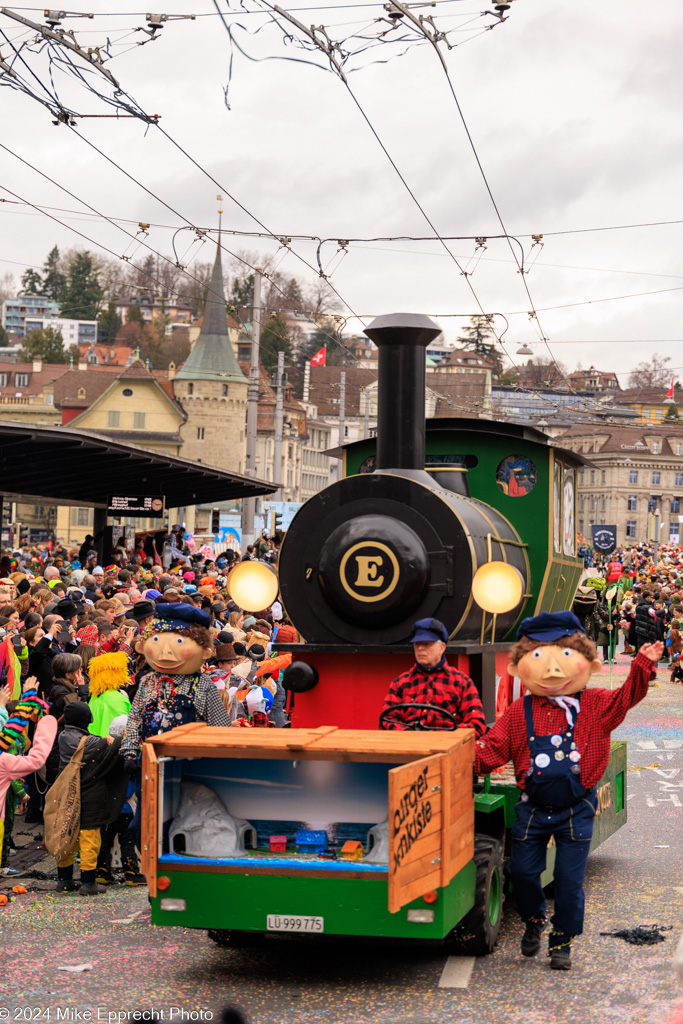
135,408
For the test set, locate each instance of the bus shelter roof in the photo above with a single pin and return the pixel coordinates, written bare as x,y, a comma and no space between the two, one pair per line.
76,467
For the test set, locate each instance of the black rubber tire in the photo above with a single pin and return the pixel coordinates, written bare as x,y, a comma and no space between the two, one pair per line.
477,934
235,939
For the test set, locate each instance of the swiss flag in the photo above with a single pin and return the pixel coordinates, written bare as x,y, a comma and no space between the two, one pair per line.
320,358
669,394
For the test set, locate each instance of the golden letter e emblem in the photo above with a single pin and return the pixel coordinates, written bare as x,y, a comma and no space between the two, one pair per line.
367,566
369,571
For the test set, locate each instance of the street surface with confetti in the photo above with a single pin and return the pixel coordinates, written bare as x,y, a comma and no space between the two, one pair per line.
100,959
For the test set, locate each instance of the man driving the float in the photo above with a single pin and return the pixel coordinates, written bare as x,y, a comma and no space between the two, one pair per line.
431,680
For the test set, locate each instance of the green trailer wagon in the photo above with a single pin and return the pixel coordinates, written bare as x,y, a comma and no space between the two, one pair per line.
410,848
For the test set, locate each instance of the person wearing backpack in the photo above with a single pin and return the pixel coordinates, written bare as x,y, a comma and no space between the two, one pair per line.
102,792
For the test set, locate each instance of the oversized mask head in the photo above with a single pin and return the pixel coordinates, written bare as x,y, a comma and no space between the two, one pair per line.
177,641
553,657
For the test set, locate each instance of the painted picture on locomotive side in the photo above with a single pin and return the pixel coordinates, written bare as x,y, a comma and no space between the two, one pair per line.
516,476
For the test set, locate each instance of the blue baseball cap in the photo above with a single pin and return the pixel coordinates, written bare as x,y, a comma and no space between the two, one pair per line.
429,630
549,626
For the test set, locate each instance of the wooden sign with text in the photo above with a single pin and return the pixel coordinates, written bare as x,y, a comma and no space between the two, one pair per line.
431,822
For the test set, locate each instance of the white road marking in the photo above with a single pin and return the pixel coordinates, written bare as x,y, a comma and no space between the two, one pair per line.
672,744
457,972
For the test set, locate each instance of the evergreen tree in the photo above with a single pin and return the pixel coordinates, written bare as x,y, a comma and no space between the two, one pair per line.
671,413
275,338
31,283
478,336
4,336
53,281
81,296
134,315
242,291
48,344
108,324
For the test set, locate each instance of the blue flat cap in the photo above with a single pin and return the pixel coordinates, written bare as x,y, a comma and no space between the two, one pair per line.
181,615
549,626
429,630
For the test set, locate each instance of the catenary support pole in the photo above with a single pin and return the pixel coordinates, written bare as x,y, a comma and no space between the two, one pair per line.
249,504
279,405
342,415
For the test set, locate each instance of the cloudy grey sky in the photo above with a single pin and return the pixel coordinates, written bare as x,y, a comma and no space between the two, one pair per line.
573,108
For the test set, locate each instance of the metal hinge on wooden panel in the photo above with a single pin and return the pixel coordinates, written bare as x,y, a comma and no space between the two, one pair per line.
436,789
437,860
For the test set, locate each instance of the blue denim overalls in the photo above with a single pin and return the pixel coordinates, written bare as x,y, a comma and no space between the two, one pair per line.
554,803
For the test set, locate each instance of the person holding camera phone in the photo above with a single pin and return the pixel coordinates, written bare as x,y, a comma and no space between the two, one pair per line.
60,638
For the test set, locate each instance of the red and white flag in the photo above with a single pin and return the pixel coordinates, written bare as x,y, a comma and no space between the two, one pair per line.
320,358
670,392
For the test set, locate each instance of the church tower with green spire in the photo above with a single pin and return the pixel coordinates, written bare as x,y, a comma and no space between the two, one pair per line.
212,389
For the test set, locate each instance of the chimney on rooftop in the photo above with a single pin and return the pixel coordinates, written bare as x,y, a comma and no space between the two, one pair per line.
82,364
37,364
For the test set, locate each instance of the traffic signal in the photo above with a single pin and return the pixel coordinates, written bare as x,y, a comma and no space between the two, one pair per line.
215,520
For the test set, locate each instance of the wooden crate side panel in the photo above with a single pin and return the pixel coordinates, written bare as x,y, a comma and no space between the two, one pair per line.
415,829
150,816
458,810
429,880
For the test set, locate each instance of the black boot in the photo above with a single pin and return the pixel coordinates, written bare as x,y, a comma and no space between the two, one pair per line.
531,940
65,880
89,886
131,869
560,951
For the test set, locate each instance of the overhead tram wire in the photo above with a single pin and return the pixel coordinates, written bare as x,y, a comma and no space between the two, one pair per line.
102,216
182,217
190,225
101,245
212,14
365,244
135,107
210,177
416,201
253,216
434,41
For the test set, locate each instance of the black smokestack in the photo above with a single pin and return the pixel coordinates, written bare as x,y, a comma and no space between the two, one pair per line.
402,339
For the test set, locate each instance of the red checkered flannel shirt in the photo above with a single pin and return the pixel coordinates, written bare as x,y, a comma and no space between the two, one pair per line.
445,687
601,712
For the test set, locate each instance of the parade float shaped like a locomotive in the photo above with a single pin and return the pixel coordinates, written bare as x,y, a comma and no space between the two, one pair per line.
468,521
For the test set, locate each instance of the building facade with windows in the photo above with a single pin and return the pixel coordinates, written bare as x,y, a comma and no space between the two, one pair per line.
74,332
649,405
34,307
635,480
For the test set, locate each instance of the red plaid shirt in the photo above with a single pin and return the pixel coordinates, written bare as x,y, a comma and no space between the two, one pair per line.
601,712
445,687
